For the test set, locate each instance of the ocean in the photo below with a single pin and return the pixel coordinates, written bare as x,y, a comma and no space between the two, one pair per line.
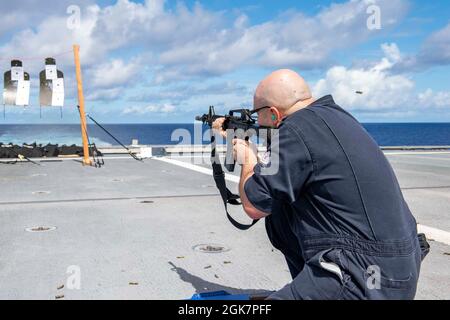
386,134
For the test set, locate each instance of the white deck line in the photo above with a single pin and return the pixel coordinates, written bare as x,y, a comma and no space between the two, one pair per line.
193,167
406,153
435,234
205,154
431,233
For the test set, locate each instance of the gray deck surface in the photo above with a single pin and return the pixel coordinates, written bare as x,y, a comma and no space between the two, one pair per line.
103,227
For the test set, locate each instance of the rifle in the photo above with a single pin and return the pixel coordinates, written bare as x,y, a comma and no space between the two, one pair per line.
241,122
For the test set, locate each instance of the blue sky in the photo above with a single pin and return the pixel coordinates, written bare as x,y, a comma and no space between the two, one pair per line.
166,61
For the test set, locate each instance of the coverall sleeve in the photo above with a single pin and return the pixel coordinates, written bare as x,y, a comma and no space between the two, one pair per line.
285,184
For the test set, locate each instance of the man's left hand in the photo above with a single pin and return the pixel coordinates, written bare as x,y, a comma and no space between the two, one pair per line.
245,152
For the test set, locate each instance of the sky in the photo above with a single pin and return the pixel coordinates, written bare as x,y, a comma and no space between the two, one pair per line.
158,61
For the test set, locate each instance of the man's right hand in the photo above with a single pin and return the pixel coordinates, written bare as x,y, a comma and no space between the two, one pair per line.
218,127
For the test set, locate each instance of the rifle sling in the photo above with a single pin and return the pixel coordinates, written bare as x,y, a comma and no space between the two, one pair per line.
227,196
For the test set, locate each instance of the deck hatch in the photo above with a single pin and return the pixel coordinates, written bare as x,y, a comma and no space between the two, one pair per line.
40,229
210,248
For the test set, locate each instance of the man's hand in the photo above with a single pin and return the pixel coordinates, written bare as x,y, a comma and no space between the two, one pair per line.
245,153
218,127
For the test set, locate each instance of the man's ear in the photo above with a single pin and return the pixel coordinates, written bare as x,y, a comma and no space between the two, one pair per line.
275,115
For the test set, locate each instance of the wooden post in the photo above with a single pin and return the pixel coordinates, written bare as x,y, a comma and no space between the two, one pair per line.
86,158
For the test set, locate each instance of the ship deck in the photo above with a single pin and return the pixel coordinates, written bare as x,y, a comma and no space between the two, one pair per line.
131,228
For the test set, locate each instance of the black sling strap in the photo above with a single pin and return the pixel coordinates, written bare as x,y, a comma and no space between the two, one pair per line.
227,196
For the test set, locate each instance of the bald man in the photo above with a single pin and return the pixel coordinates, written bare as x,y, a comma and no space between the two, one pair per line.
334,207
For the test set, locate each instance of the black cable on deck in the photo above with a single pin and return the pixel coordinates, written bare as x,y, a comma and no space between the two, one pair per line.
115,139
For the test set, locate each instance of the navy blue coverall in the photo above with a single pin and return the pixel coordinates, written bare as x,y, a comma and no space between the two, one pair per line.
336,210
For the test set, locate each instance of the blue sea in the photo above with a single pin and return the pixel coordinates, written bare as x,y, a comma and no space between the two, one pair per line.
386,134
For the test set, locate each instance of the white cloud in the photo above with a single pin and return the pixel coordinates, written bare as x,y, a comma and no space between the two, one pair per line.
107,94
185,42
52,37
392,52
109,81
26,13
435,51
435,99
383,91
162,109
114,73
293,39
177,94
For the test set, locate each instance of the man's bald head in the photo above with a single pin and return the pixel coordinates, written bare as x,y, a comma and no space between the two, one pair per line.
282,89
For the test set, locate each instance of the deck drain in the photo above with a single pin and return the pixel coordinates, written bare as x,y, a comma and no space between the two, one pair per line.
40,229
147,201
210,248
40,192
